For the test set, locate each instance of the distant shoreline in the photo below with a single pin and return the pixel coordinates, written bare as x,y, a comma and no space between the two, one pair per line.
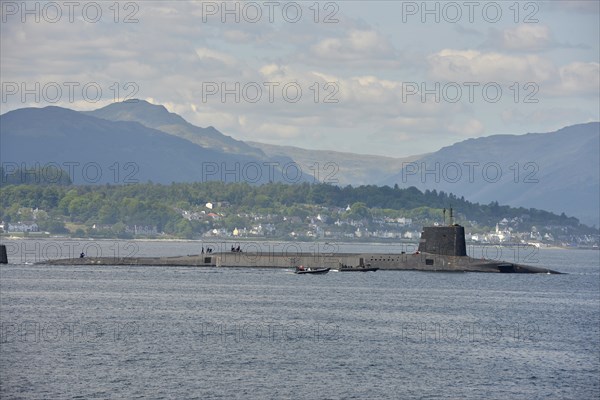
247,240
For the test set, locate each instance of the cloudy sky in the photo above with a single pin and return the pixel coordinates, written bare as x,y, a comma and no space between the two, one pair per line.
387,78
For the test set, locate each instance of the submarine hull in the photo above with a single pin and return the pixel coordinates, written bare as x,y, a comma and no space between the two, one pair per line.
415,262
441,249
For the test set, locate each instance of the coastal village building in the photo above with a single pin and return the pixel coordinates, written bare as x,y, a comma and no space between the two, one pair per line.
23,227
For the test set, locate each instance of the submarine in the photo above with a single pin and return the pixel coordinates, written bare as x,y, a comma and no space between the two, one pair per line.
441,249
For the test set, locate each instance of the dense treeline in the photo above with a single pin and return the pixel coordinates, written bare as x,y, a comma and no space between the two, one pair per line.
160,205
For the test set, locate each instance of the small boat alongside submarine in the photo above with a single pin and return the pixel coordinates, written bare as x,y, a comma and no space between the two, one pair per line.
317,271
363,268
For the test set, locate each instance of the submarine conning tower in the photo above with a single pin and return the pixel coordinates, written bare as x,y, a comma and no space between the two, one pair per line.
443,240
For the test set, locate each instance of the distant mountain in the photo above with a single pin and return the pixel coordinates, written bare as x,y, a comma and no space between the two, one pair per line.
158,117
139,141
338,167
556,171
316,165
97,151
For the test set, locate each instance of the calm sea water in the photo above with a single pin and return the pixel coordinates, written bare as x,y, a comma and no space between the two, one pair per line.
157,332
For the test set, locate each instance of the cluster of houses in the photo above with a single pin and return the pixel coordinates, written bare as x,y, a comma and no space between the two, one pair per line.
27,226
136,230
507,232
19,227
199,215
321,226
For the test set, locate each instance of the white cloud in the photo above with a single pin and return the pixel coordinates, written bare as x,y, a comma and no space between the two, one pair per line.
526,37
579,77
474,66
355,48
576,78
205,53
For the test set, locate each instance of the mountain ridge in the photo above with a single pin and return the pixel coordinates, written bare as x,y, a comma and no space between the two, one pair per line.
158,117
342,168
63,137
557,171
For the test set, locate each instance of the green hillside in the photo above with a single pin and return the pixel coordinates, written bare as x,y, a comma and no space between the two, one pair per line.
180,210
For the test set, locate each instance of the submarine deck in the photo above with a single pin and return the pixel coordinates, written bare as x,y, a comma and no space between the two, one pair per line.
391,261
